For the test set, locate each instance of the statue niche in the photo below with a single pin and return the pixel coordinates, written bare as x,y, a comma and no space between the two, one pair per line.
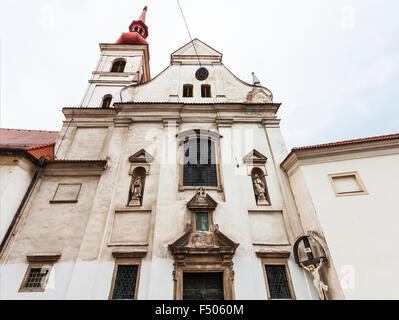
260,188
137,187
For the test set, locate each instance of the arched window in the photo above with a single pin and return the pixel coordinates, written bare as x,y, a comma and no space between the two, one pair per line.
205,91
106,101
199,163
188,91
118,66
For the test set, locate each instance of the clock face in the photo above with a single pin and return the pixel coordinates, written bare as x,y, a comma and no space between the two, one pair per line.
202,74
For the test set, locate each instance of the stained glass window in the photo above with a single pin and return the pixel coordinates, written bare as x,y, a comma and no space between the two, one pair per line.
278,282
125,282
199,163
201,221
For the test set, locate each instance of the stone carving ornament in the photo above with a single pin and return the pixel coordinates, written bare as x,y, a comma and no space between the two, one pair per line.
136,192
260,190
203,240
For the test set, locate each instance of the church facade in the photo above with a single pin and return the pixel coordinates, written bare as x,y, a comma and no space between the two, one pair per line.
165,188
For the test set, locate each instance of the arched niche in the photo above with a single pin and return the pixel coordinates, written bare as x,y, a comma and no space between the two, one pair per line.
137,186
259,185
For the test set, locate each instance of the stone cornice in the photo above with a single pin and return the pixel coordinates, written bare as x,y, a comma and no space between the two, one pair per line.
297,158
75,167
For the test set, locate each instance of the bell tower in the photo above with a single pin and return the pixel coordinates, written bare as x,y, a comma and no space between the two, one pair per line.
121,64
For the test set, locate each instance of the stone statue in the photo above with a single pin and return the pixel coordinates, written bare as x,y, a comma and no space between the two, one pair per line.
136,192
314,271
260,190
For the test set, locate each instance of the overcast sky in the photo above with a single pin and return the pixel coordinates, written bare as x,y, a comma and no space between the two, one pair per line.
334,65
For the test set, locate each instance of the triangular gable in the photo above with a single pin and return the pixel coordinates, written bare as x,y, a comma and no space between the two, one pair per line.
255,157
141,156
202,200
201,49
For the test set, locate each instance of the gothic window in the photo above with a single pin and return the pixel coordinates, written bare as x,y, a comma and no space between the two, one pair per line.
125,282
187,91
202,221
199,163
106,101
118,66
205,91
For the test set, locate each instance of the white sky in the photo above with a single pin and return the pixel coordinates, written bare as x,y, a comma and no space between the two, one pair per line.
334,65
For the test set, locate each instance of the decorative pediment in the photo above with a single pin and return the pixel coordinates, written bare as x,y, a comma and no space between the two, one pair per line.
141,156
202,200
221,244
255,158
196,49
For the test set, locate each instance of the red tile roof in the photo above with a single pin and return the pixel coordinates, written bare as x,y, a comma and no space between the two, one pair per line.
46,150
346,142
26,138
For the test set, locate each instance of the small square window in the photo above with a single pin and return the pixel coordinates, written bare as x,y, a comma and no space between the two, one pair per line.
205,91
35,278
188,91
347,184
202,221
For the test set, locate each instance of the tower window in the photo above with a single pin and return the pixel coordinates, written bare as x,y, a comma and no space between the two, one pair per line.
106,101
205,91
187,91
199,163
118,66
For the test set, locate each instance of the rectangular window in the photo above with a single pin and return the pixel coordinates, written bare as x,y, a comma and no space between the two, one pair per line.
187,91
35,279
125,282
199,163
205,91
277,282
277,278
202,221
347,184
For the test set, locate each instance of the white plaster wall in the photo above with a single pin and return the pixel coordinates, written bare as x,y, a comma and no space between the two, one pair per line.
170,82
361,230
14,182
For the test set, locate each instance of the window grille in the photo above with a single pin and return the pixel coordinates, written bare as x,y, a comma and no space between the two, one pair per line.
36,278
278,282
125,282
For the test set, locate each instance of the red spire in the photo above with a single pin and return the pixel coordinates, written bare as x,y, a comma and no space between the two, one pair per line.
142,17
138,31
